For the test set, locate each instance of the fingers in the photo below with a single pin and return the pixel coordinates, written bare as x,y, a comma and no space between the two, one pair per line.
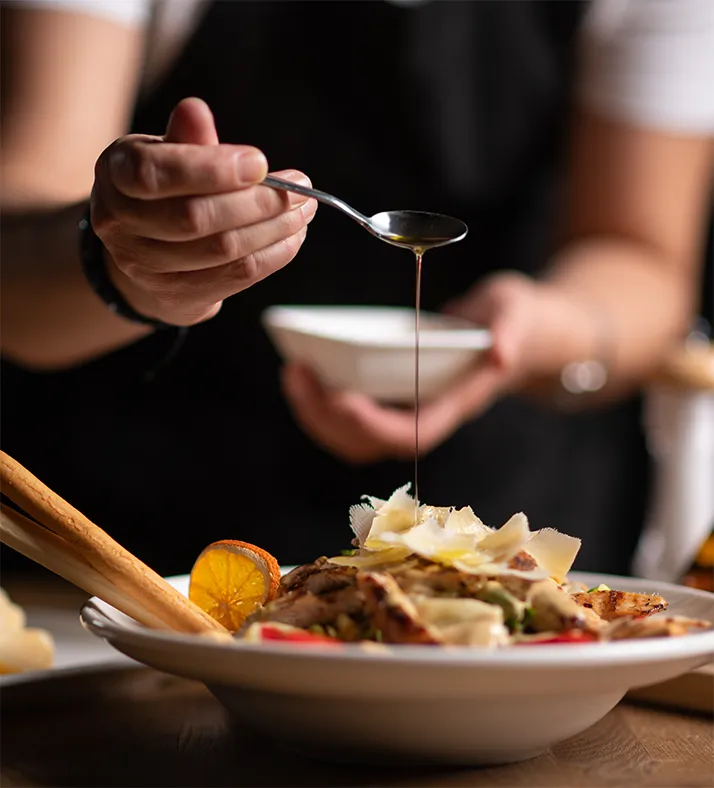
189,218
506,303
147,168
192,121
332,418
148,256
468,398
190,297
359,430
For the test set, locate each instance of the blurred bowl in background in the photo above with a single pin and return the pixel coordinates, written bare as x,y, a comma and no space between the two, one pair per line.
370,349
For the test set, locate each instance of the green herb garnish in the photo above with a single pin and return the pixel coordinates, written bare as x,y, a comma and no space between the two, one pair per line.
528,614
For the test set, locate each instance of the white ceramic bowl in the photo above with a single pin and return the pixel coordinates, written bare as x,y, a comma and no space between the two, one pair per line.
371,349
458,706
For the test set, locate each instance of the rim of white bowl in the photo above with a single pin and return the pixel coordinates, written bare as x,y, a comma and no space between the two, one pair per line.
288,318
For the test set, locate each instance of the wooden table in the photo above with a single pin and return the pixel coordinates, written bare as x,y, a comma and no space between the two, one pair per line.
133,726
138,727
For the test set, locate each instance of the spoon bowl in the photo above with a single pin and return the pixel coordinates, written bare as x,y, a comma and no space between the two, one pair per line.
419,230
415,230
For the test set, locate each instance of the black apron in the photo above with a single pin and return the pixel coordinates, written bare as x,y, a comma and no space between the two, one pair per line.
456,107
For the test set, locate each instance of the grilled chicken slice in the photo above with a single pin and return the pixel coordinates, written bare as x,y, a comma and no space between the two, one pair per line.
523,562
391,611
319,577
643,627
428,579
553,610
401,603
331,578
296,578
610,605
305,609
593,623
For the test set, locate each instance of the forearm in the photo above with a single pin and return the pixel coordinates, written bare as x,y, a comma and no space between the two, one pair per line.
629,305
627,276
51,318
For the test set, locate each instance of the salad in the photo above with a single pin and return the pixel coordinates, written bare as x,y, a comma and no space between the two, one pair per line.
420,574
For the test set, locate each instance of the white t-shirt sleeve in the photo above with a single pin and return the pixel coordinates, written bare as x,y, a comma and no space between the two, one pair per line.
170,23
126,12
650,62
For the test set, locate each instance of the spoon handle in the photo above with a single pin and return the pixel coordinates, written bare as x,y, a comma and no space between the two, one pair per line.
328,199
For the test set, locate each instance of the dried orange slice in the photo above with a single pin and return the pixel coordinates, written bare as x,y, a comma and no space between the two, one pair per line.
231,579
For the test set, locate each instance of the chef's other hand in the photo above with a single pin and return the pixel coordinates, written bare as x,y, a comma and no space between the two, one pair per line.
359,430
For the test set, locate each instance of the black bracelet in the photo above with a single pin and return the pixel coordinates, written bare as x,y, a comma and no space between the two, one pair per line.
94,266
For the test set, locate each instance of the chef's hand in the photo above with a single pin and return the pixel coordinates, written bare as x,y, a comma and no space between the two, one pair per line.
359,430
184,221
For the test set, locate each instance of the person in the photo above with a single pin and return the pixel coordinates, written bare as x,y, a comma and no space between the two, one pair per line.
575,140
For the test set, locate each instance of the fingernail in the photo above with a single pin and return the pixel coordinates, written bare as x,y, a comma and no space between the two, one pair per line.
309,209
252,166
294,176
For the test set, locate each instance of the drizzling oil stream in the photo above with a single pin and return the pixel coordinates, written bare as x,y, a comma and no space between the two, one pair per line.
414,230
419,254
419,251
419,247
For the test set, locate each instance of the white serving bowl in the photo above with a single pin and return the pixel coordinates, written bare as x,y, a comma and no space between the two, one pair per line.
371,349
420,703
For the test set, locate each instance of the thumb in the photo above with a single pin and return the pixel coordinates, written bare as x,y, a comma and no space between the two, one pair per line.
192,122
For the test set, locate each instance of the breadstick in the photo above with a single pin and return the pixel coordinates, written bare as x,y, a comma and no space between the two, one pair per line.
51,551
117,565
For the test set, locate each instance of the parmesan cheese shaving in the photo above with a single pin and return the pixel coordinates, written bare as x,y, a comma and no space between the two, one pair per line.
361,518
464,521
553,551
397,514
429,540
466,622
392,530
444,612
508,539
371,559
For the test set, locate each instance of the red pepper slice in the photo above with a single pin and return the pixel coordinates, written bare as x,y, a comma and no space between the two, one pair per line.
572,636
306,638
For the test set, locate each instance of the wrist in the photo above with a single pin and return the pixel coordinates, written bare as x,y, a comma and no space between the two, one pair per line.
574,351
136,297
101,272
146,303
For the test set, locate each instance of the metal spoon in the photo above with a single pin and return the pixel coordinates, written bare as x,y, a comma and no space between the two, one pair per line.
416,230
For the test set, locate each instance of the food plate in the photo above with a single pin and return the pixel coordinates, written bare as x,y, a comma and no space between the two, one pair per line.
420,703
76,651
371,349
